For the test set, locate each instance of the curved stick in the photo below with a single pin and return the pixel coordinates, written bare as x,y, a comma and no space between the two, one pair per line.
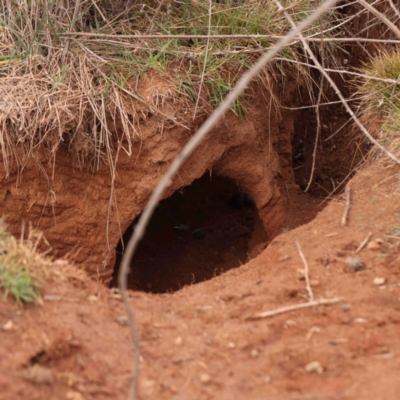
212,120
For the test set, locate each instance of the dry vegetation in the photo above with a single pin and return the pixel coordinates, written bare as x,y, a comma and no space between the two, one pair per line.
70,71
381,97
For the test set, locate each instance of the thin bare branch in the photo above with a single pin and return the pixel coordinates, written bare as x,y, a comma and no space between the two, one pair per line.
347,207
363,243
205,61
180,159
381,17
321,302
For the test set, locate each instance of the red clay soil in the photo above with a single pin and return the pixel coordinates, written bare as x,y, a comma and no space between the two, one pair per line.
83,213
204,342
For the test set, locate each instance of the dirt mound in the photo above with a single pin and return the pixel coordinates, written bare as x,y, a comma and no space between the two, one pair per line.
202,341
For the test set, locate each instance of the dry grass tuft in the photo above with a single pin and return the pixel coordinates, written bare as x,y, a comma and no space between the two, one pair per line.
381,98
24,271
18,259
70,72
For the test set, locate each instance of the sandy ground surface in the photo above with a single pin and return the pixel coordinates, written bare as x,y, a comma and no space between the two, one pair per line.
207,340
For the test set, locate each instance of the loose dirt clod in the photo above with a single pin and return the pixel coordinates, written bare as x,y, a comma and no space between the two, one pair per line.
354,264
379,281
122,320
205,378
8,326
254,353
38,374
301,274
314,282
346,307
314,366
72,395
375,245
178,341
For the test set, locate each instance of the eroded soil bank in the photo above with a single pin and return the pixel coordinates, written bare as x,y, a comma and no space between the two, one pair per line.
267,157
201,342
84,213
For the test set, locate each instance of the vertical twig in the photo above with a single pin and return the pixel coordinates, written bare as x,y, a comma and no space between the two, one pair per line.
381,17
347,207
394,8
154,17
205,59
306,274
65,51
318,115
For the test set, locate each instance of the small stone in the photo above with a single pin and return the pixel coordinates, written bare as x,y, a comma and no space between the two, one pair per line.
267,379
93,299
199,234
335,342
375,245
360,320
231,345
314,282
178,341
254,353
68,378
146,387
324,260
354,264
379,281
38,374
8,326
289,323
314,366
205,378
122,320
346,307
301,274
72,395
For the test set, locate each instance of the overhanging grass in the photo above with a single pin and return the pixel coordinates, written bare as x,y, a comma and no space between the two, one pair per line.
69,76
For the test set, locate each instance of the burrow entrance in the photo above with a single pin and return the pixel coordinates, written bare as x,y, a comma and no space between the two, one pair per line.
199,232
211,226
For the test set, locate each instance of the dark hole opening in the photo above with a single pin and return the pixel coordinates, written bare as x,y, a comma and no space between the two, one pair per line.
199,232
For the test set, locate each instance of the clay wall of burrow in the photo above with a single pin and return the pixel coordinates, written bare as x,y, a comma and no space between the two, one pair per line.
73,207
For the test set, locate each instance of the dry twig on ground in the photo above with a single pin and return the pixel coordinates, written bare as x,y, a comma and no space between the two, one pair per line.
363,243
321,302
347,207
